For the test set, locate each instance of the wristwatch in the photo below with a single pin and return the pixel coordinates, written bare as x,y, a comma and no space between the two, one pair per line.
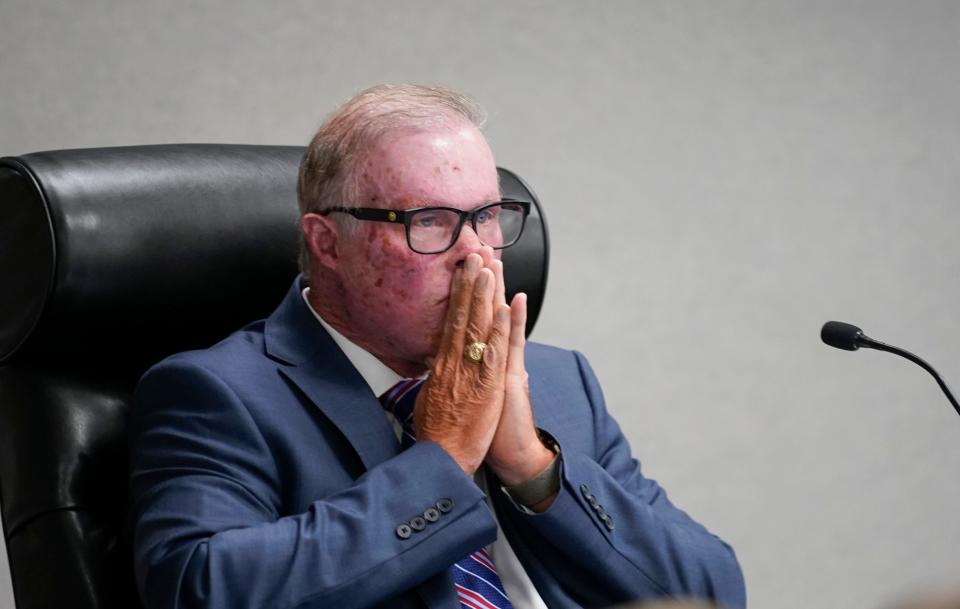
545,484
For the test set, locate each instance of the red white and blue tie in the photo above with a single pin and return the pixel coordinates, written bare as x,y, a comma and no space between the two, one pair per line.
476,580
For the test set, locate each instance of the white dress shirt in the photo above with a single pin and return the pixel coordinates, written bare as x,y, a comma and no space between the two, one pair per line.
380,378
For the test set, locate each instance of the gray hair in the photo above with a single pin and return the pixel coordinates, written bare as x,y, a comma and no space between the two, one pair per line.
327,177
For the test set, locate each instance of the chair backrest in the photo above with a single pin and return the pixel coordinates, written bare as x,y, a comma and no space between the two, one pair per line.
111,259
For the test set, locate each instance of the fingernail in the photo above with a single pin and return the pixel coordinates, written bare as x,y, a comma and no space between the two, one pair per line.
472,262
481,280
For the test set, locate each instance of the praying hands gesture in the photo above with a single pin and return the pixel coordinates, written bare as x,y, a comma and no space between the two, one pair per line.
479,410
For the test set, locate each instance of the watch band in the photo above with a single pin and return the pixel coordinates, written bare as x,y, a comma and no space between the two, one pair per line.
545,484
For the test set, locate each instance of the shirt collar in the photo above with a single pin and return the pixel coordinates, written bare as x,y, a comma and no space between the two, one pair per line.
378,375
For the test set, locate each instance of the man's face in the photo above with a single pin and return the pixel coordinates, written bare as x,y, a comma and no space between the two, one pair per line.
395,297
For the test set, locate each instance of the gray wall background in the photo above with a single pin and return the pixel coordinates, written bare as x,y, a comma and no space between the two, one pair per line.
720,179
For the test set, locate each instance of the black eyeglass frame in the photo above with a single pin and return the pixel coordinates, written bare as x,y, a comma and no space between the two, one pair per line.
404,216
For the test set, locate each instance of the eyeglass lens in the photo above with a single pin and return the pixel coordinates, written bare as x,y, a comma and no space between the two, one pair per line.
499,226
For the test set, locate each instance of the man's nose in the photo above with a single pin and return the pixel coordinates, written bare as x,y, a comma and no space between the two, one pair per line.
467,243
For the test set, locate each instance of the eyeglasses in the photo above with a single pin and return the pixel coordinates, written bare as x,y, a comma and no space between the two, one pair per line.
433,230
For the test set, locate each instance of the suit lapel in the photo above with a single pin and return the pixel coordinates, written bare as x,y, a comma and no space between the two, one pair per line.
438,592
352,407
313,362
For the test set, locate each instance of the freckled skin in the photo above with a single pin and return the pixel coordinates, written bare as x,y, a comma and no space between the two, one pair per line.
374,289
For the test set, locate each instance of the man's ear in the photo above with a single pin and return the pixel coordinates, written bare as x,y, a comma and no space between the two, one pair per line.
321,235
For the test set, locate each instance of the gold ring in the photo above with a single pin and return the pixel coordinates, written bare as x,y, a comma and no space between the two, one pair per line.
474,351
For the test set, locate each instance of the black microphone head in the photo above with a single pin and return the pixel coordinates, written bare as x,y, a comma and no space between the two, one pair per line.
841,335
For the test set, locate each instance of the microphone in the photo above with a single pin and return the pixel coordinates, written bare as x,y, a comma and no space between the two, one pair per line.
850,338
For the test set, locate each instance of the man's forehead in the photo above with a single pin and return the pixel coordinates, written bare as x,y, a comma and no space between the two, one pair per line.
442,166
441,142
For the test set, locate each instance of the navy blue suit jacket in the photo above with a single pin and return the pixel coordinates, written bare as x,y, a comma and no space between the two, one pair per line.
264,474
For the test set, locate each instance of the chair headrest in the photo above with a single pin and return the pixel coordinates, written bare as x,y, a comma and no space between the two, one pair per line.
137,252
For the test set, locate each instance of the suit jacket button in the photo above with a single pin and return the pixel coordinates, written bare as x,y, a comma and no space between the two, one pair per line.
585,490
593,502
417,523
404,531
431,514
607,521
445,505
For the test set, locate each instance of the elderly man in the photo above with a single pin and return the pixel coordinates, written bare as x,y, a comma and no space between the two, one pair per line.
386,437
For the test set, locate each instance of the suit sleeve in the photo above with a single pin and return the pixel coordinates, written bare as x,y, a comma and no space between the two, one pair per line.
207,524
616,533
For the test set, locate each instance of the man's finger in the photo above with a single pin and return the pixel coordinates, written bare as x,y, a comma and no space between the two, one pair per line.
456,285
481,308
487,254
499,296
518,327
458,308
495,355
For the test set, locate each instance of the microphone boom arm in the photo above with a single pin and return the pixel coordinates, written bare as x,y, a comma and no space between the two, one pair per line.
869,343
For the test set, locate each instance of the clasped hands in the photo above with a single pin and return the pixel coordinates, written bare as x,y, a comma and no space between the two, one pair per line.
479,412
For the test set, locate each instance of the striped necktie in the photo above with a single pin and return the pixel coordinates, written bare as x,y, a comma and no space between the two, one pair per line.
475,578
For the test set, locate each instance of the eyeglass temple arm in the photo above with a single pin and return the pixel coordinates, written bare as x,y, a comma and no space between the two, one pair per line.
369,213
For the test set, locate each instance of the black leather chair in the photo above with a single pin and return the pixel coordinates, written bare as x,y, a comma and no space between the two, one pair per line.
111,259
